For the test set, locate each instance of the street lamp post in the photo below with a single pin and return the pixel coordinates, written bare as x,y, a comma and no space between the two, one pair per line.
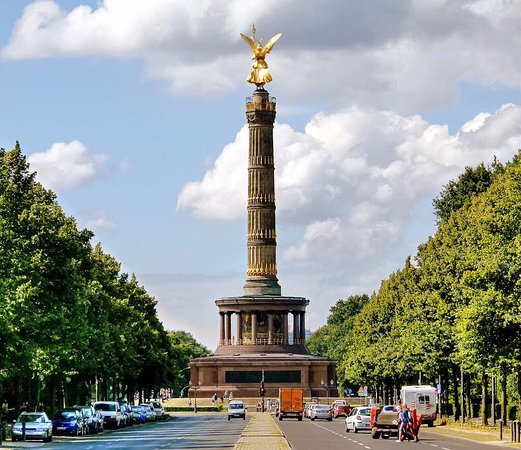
195,395
326,386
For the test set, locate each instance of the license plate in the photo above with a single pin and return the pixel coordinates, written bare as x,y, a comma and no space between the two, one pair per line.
60,428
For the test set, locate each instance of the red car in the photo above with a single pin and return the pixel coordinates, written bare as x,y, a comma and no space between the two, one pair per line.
340,409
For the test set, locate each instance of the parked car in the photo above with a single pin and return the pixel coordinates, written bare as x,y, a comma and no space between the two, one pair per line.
236,408
68,421
127,416
340,409
158,408
140,415
37,426
150,414
91,419
319,411
359,419
111,412
99,420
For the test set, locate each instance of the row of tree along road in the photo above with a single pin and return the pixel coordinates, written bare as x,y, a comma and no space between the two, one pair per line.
452,315
73,327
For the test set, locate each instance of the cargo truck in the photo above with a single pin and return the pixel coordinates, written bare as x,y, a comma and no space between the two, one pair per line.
290,403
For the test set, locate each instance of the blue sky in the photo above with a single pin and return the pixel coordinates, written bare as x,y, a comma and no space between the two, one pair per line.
133,113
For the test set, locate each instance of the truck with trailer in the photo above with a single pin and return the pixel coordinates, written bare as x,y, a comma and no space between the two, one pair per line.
423,399
290,403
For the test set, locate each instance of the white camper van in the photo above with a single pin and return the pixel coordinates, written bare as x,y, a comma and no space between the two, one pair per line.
423,399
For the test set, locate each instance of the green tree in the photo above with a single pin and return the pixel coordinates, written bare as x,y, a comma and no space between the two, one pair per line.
471,182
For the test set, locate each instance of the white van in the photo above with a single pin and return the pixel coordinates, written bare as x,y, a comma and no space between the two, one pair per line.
111,412
236,408
423,399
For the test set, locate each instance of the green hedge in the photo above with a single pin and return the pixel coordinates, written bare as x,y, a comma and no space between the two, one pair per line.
191,408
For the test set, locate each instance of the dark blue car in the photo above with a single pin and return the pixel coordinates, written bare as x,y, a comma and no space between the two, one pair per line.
139,414
68,421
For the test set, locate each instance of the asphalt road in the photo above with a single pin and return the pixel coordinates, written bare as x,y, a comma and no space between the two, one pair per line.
322,435
201,431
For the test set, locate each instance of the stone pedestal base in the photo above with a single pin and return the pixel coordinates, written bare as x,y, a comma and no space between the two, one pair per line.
241,374
261,286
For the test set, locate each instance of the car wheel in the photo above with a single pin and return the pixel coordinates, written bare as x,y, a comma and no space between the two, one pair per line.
330,419
355,430
313,418
228,417
347,428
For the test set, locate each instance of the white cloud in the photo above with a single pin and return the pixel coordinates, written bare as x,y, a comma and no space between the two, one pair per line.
66,165
354,178
400,56
99,220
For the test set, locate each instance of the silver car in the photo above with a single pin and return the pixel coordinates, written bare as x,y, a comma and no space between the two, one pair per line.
321,412
37,426
358,419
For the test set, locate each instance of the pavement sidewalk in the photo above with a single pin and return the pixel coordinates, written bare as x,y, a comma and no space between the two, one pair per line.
262,433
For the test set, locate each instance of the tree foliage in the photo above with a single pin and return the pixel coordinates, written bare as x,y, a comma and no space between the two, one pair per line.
456,306
73,327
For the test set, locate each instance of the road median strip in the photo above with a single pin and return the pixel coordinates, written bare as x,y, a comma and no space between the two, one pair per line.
261,433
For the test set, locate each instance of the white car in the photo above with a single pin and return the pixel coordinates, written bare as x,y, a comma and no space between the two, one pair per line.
358,419
321,412
158,408
37,426
236,408
111,412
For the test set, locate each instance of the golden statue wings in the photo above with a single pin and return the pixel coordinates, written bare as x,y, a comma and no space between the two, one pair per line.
259,75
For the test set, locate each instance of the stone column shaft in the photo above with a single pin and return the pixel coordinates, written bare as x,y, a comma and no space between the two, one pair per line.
303,327
239,328
221,328
270,328
262,258
296,328
285,328
253,328
228,328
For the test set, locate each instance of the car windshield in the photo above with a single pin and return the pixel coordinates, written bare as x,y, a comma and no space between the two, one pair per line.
30,417
67,415
105,406
137,408
390,408
364,411
236,406
322,408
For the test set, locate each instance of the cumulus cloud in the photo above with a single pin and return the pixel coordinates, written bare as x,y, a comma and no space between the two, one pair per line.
354,178
66,165
99,220
398,55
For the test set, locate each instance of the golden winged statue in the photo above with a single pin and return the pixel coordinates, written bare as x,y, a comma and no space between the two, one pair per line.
259,75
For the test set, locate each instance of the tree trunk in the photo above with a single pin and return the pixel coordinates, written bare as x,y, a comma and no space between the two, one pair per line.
484,398
519,395
504,402
457,409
